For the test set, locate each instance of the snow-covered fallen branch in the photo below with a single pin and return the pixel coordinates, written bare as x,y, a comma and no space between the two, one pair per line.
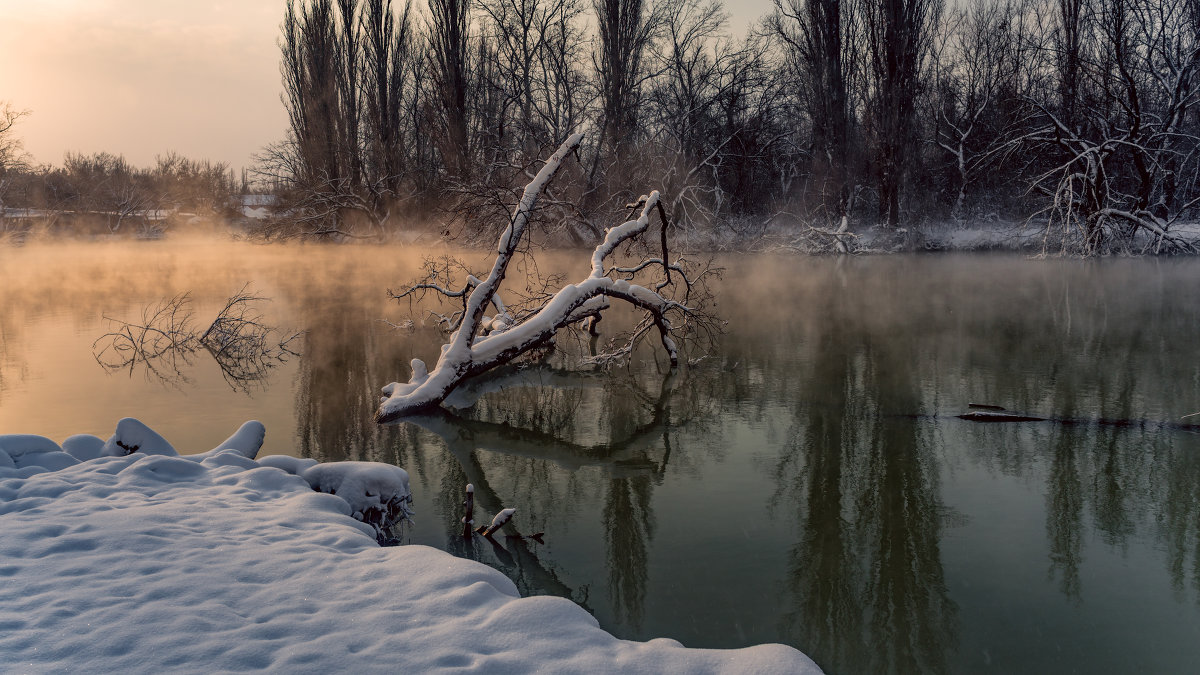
669,295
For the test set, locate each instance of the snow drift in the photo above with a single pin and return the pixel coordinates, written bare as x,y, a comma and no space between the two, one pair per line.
216,562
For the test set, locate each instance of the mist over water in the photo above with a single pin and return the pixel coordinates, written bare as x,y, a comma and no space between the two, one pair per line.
807,482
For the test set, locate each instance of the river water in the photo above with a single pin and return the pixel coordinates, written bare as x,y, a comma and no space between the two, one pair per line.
807,482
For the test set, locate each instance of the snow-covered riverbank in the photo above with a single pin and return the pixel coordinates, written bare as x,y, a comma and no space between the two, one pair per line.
153,562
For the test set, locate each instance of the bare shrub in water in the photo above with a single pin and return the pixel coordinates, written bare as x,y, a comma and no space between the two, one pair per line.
166,339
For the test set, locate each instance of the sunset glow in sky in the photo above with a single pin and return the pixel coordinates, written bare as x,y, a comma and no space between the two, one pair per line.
142,77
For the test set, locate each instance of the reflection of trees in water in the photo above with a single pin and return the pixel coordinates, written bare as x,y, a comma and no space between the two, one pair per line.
865,569
10,364
865,577
1108,471
1064,516
1180,519
912,616
1126,483
628,527
337,386
899,513
824,577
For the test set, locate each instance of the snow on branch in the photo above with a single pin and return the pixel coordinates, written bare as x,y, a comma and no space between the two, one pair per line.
671,295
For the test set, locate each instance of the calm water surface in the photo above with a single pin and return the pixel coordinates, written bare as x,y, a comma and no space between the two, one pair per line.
808,483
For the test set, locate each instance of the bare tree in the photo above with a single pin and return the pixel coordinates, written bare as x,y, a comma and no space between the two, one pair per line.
107,188
310,73
898,36
348,70
814,33
1118,176
196,186
449,54
750,138
315,159
976,71
692,60
1069,43
350,56
560,77
521,31
625,30
12,155
388,54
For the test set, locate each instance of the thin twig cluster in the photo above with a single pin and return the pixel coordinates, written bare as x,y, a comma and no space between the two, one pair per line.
165,340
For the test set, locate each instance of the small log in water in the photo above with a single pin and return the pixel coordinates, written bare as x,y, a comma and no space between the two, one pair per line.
497,522
998,416
994,413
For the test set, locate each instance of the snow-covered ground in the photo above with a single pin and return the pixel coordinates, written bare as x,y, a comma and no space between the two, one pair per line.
217,562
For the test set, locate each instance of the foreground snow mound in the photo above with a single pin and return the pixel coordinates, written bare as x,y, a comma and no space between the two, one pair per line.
83,446
133,436
378,493
143,564
26,454
246,441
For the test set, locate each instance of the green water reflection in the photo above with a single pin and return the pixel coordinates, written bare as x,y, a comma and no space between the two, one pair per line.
808,483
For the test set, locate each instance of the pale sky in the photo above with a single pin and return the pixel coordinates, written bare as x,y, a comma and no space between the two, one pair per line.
142,77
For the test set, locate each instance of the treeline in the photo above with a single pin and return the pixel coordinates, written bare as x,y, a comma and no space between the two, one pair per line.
104,193
828,114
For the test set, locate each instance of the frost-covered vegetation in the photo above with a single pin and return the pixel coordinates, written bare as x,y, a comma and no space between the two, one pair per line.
824,120
102,193
824,123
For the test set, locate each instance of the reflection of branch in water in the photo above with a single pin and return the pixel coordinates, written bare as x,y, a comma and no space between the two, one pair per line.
521,564
624,457
241,343
165,341
162,342
627,514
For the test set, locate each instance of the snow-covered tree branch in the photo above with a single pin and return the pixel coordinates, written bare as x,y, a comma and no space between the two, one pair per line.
670,294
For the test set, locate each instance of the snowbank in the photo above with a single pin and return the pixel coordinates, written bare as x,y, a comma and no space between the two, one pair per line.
215,562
